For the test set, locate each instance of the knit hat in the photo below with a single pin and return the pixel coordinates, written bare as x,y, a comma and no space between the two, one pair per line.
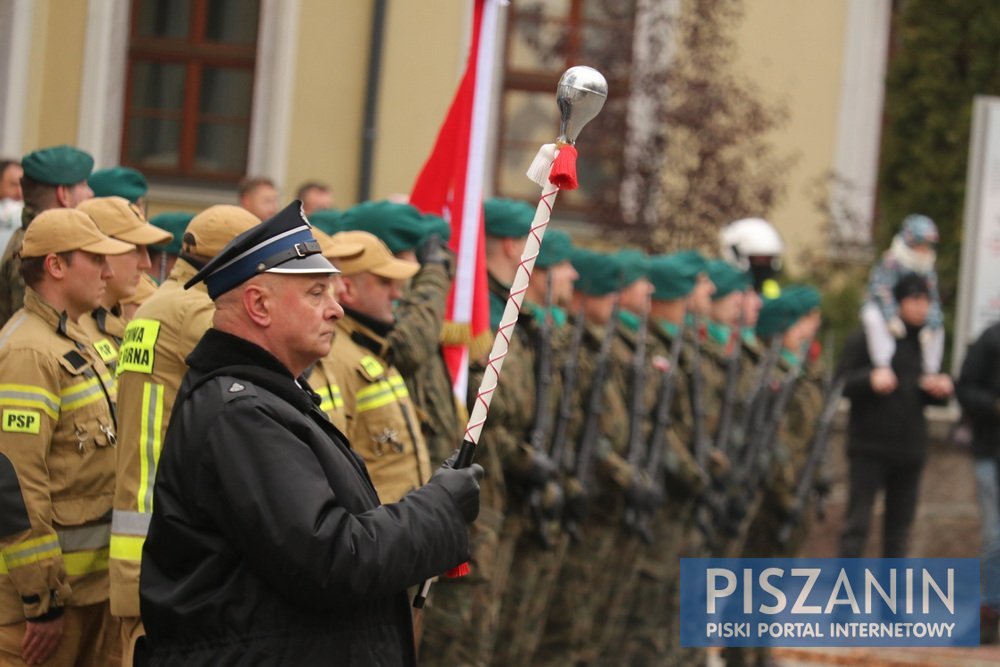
919,229
508,218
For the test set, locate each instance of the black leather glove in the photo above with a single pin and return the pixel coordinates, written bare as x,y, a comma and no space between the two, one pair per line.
432,251
463,487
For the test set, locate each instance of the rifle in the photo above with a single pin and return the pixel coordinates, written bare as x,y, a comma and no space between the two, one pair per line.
762,437
817,452
752,405
588,443
560,431
541,507
636,410
637,518
725,427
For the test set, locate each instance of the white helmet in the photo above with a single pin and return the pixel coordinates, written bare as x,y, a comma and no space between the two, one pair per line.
754,245
750,237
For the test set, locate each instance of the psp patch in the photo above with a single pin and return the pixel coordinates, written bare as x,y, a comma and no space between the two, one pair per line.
106,350
21,421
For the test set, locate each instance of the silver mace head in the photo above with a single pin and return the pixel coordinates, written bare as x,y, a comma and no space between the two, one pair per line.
580,94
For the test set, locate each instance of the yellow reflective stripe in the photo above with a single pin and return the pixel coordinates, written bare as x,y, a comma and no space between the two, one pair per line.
375,396
31,551
149,443
127,547
81,394
399,386
86,562
29,396
330,402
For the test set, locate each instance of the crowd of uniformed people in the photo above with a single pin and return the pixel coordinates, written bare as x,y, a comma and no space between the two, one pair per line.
650,408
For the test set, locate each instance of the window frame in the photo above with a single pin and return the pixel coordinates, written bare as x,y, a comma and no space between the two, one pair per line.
195,54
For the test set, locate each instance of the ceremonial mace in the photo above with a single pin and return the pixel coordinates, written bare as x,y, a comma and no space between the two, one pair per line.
580,95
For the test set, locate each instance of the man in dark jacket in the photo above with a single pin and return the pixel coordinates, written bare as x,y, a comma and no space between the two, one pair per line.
887,432
267,544
978,391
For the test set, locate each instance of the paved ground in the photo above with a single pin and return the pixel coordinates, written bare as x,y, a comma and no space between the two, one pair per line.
982,656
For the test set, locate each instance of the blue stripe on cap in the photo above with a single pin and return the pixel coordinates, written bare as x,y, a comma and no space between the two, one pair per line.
246,265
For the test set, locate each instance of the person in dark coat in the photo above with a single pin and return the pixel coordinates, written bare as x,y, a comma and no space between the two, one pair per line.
887,431
978,391
267,543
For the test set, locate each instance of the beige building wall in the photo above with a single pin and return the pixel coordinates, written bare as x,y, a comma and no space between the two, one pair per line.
794,52
423,53
53,96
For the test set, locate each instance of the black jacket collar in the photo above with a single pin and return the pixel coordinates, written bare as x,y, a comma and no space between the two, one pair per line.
219,350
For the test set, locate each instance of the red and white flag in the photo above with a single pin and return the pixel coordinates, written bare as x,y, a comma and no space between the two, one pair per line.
451,185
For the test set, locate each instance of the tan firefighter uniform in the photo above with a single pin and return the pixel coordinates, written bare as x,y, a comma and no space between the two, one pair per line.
324,383
57,437
105,329
151,365
382,424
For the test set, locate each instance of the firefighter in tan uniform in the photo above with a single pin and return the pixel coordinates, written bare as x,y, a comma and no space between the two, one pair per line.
57,436
322,376
122,220
382,422
150,367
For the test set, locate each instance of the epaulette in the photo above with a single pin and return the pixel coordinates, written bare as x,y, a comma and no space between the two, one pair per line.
234,388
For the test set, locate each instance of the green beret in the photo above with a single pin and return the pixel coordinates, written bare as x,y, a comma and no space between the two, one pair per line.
59,165
600,274
118,182
508,218
727,278
674,276
174,222
557,246
780,313
634,265
399,226
435,224
326,220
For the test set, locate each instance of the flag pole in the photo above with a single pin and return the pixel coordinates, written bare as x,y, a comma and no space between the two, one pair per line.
581,94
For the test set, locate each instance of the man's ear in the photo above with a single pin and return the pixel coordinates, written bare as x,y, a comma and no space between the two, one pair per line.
257,303
55,266
349,296
63,196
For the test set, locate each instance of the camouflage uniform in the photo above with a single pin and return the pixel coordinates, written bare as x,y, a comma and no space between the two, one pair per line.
653,621
624,581
535,567
11,283
413,347
462,617
579,597
777,496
